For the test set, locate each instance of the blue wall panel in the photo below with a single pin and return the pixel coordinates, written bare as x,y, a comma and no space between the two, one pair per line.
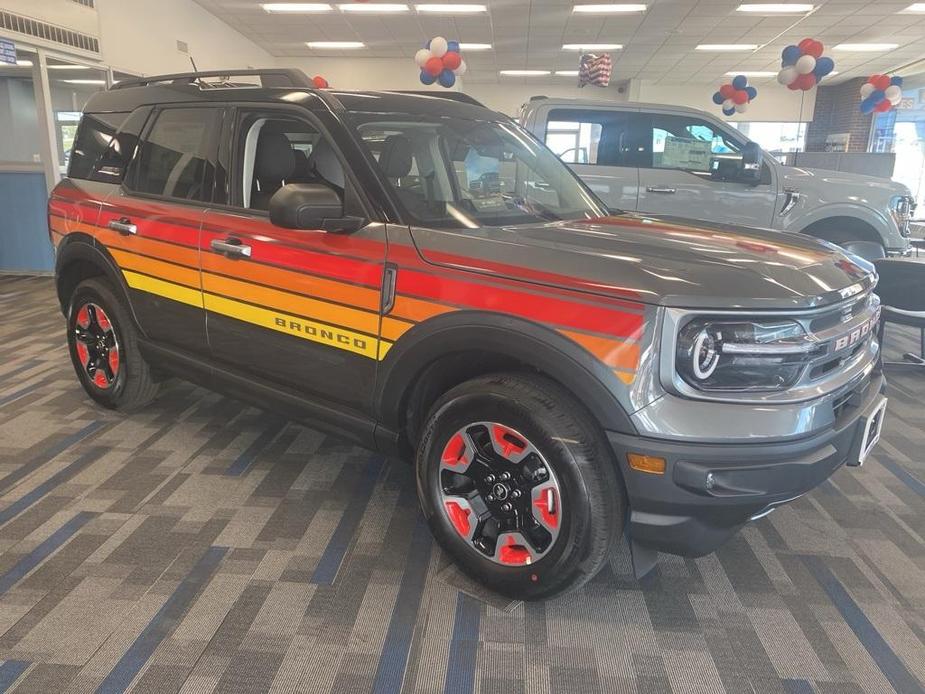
24,243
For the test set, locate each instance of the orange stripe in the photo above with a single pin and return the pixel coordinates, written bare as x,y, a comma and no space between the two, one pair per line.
416,309
393,329
361,297
614,353
156,268
625,376
294,304
156,249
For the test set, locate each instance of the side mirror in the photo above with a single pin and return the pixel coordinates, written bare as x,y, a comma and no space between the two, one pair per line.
311,206
752,161
740,168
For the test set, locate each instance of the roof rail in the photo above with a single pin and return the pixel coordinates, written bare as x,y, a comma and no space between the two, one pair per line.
271,77
452,96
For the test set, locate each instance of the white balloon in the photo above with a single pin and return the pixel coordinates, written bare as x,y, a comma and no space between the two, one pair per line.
894,94
787,75
866,90
438,47
742,108
805,64
461,70
422,56
728,104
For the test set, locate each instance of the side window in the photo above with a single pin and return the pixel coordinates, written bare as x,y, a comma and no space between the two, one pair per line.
94,136
686,143
177,158
591,136
115,160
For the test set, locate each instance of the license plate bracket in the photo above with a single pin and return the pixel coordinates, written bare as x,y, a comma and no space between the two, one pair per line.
873,427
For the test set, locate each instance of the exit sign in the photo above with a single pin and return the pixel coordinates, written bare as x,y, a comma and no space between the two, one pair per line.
7,52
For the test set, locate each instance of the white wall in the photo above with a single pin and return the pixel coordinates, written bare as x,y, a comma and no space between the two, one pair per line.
141,36
774,103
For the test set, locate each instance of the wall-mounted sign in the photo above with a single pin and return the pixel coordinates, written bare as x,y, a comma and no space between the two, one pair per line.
7,52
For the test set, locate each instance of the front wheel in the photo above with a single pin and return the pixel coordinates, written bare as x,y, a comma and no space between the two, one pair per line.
519,486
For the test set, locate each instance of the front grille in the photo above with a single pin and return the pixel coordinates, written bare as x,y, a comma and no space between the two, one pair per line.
843,333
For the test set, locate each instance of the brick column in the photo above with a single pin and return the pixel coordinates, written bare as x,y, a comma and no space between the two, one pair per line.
837,111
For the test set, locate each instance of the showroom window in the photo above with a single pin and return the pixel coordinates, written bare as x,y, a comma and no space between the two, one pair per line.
177,157
902,131
590,136
776,138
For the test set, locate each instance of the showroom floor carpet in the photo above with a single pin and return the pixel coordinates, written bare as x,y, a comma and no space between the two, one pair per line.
205,546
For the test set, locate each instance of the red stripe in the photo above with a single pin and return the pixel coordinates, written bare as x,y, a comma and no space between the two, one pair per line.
543,309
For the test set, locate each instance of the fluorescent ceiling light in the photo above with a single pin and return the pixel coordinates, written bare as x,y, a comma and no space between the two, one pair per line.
776,8
916,7
866,47
475,46
68,67
727,47
591,46
85,81
567,73
296,7
524,73
24,63
608,8
374,8
451,8
752,73
335,44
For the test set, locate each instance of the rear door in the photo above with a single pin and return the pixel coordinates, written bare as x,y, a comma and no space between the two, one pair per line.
600,144
151,224
297,308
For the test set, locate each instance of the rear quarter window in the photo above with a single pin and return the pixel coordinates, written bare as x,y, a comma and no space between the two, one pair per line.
94,136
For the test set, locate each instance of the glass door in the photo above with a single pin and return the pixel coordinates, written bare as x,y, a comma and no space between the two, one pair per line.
902,131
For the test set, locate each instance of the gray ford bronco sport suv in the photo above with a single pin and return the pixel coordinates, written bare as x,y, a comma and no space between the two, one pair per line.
420,274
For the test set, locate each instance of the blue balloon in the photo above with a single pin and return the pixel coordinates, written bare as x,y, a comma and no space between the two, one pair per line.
718,98
447,79
824,66
427,78
452,46
877,95
897,80
790,55
868,104
752,92
728,111
740,81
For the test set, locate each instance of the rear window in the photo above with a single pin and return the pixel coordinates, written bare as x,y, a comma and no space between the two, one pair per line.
94,136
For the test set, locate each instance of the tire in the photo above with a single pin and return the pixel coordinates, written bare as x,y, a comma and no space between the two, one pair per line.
539,424
118,378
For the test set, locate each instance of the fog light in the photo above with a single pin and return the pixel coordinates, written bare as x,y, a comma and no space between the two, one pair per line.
646,463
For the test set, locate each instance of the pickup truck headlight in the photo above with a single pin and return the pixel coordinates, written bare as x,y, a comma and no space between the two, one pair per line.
742,355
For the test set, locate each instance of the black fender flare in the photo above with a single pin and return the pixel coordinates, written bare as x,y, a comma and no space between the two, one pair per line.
78,246
538,346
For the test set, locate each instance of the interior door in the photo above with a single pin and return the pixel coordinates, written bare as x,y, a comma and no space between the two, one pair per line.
675,176
600,144
298,308
151,224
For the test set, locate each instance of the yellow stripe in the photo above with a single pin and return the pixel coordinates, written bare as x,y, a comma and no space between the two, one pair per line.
321,333
184,295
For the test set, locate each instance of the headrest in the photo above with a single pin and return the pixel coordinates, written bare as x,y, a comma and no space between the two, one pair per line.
395,157
324,163
302,168
275,160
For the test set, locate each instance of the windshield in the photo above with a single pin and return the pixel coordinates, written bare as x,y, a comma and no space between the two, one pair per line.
455,173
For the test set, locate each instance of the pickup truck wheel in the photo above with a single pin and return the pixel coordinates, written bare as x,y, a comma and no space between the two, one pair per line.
104,350
519,486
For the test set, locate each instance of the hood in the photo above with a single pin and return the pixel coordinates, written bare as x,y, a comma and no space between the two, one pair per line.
660,260
842,182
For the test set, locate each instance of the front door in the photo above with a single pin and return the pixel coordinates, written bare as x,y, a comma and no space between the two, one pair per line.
296,308
601,146
674,176
151,224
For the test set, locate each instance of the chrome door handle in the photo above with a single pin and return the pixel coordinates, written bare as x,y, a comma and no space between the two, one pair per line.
123,226
231,247
656,189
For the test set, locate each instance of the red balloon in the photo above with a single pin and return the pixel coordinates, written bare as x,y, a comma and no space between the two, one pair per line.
451,60
728,91
880,82
795,84
815,49
883,106
740,96
433,66
319,82
805,45
806,82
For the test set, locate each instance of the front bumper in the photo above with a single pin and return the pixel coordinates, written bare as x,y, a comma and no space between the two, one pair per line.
709,490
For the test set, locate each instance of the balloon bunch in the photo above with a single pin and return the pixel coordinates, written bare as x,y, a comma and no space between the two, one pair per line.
880,93
735,96
440,61
320,82
803,66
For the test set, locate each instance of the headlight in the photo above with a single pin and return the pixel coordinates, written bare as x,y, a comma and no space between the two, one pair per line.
742,355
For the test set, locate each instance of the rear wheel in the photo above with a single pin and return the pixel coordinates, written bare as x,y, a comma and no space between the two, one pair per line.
519,486
103,345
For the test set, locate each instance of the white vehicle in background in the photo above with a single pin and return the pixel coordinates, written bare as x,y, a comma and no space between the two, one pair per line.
672,160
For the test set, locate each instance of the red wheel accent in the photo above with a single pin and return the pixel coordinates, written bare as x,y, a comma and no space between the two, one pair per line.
548,506
507,441
459,517
83,316
99,379
83,354
513,554
102,319
114,360
455,451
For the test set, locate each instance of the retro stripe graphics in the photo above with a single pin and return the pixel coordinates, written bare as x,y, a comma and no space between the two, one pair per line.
326,288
